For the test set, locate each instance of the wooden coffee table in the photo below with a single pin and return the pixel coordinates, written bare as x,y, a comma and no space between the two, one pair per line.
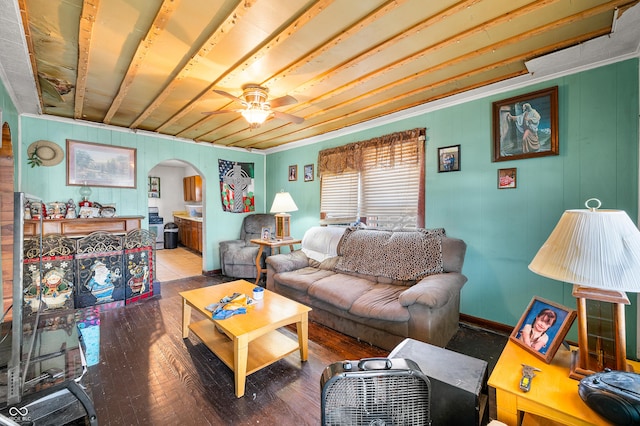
246,342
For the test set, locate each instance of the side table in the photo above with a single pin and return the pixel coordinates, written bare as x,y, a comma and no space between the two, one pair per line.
273,244
553,394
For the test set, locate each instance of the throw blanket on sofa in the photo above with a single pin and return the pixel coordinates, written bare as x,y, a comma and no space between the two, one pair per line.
398,255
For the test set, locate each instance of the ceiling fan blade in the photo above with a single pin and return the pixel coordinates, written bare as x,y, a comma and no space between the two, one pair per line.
288,117
220,111
229,95
282,101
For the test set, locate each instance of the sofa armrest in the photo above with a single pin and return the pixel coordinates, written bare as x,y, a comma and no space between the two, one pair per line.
287,262
433,291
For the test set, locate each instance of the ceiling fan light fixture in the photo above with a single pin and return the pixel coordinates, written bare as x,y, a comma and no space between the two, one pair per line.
255,115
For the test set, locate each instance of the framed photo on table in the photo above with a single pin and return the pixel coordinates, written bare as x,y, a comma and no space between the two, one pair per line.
266,233
526,126
93,164
543,327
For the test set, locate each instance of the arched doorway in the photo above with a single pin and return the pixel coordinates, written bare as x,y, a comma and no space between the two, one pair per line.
167,197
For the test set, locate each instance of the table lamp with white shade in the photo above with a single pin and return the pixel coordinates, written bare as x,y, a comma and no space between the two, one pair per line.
598,251
282,205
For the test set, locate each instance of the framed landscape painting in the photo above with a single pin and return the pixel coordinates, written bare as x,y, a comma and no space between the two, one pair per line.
93,164
526,126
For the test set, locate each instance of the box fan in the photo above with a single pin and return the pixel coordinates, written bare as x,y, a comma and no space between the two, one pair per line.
375,392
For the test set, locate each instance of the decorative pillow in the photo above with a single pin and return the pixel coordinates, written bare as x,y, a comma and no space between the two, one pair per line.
397,255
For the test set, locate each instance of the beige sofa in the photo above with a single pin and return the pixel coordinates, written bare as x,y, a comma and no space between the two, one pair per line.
378,286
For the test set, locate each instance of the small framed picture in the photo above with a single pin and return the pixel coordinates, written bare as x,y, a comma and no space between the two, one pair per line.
308,173
154,187
449,159
543,327
266,233
507,178
293,173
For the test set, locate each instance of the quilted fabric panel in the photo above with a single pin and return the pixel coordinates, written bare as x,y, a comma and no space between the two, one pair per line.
397,255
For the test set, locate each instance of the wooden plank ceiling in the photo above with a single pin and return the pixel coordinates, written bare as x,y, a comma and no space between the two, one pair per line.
154,65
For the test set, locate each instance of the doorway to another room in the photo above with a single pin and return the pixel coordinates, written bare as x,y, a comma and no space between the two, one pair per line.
179,235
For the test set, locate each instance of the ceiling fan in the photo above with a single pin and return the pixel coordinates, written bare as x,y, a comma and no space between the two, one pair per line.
257,109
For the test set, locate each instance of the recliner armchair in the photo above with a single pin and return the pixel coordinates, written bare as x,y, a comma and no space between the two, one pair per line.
238,257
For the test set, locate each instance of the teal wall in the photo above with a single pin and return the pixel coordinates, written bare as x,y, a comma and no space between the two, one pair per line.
49,183
598,131
503,229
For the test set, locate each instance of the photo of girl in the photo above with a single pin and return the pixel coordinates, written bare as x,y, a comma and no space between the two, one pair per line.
535,335
543,327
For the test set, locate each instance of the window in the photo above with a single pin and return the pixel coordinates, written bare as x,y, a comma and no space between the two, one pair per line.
379,182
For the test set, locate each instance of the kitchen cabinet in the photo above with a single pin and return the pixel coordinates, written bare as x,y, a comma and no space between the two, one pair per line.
189,233
192,188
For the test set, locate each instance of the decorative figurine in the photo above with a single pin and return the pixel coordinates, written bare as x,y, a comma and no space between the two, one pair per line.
27,210
71,209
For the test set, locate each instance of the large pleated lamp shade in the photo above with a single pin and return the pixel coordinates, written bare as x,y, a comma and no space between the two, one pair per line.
283,204
599,252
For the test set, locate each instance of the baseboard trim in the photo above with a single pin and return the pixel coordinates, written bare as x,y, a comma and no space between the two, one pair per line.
486,324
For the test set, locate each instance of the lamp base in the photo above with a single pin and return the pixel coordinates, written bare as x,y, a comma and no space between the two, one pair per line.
578,373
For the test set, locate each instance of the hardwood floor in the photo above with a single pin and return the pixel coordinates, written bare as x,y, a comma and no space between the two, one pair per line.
148,374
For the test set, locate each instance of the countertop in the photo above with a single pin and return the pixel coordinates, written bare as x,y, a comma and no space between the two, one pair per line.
185,215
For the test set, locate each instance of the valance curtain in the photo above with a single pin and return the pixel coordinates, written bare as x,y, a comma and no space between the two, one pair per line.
403,146
390,170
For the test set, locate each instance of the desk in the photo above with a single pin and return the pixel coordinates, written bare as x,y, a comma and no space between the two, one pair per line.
553,394
272,244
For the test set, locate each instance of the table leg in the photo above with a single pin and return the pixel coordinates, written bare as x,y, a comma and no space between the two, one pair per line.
303,336
186,318
240,356
507,408
258,268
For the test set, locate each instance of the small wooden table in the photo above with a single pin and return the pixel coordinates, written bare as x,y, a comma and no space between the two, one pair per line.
553,394
246,342
273,244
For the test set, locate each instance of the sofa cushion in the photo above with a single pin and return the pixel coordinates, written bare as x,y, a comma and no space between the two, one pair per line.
339,289
400,255
381,302
302,279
